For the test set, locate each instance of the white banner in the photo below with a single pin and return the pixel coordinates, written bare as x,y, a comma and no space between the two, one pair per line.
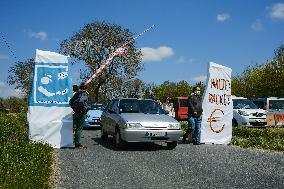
217,106
49,114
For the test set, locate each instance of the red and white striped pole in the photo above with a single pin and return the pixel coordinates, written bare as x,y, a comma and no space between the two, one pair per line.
120,50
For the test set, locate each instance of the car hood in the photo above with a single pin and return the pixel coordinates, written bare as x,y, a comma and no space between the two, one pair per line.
149,119
250,111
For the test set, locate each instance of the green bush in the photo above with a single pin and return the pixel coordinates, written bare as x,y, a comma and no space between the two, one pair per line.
183,125
263,138
23,164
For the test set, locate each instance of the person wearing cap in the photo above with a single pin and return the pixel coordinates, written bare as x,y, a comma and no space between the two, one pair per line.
79,104
194,116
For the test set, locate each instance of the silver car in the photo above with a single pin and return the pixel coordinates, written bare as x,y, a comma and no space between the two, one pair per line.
135,120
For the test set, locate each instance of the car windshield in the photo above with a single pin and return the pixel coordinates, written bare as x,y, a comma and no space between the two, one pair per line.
243,104
150,107
140,106
276,104
97,107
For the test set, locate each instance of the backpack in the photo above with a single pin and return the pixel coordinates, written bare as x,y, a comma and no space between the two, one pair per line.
79,102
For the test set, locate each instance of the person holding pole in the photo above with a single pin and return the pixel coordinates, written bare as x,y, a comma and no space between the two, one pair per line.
79,104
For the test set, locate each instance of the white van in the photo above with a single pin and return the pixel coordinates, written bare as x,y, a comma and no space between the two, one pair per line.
246,113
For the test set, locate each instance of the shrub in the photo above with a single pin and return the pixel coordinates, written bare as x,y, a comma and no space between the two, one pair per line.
23,164
264,138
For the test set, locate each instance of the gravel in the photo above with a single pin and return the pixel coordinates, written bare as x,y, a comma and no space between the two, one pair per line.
101,165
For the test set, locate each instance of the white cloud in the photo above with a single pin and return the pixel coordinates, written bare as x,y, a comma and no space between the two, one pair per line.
182,59
38,35
3,56
277,11
8,91
152,54
223,17
200,78
2,84
256,26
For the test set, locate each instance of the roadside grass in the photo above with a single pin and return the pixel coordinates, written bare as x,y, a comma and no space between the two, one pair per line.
23,164
261,138
268,138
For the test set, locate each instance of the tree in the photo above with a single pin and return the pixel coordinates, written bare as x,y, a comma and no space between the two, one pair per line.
94,43
21,75
171,90
15,104
263,80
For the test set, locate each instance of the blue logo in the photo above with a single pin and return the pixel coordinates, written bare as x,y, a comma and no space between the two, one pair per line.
51,85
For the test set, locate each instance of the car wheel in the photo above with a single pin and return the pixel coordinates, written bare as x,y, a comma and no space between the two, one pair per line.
171,145
119,143
235,123
104,135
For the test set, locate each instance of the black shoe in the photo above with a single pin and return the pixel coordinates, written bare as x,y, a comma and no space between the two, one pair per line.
78,145
196,143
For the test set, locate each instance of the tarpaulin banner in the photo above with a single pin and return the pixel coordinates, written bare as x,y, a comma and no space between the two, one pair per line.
49,114
217,106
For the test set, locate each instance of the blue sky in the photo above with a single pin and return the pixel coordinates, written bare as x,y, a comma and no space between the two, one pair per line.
188,34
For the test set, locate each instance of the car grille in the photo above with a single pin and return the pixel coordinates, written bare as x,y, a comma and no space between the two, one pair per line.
258,114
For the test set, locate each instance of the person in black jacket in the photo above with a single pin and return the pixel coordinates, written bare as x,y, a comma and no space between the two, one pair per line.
194,116
79,104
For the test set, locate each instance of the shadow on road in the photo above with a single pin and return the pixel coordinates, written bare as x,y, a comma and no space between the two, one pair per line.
137,146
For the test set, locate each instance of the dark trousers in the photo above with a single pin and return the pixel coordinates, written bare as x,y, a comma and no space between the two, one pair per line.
79,119
194,124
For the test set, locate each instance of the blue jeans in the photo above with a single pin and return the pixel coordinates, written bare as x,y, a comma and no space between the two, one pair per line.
194,123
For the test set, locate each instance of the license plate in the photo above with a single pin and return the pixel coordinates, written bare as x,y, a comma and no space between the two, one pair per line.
153,134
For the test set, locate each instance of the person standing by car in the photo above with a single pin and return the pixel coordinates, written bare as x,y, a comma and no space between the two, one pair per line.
194,116
79,104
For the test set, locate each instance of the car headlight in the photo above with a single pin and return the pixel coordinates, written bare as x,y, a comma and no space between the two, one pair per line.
134,126
174,126
243,113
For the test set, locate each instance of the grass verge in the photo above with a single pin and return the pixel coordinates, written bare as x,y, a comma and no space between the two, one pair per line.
262,138
23,164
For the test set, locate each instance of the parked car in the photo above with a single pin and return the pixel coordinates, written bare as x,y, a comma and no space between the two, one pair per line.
93,118
271,104
275,104
260,103
246,113
139,120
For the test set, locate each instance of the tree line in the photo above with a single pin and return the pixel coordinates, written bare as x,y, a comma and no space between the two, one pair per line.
262,80
94,42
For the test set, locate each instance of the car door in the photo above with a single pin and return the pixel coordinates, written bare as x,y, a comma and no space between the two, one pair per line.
113,117
106,116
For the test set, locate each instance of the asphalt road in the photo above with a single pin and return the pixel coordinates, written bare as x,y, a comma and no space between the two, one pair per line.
100,165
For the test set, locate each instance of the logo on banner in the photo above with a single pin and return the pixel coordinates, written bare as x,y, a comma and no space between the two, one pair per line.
51,85
215,121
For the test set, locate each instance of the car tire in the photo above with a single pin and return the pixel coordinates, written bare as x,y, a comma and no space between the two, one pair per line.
104,135
119,143
171,145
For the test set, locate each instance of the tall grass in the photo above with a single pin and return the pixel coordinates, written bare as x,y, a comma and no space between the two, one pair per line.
22,164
